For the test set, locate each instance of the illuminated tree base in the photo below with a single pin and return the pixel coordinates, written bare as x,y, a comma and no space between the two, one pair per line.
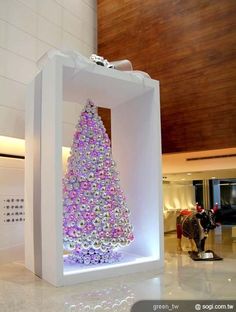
93,257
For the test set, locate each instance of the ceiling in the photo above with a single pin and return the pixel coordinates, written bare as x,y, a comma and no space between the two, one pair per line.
176,167
201,175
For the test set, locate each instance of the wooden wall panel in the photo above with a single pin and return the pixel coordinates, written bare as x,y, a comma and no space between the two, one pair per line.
105,114
190,46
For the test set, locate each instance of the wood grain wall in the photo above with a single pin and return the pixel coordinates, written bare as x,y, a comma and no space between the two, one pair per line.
190,46
105,114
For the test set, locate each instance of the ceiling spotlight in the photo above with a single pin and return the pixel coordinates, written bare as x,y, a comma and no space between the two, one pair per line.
189,173
183,179
213,177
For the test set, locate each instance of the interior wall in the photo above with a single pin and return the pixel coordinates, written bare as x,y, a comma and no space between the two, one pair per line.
190,47
11,208
105,114
176,197
28,29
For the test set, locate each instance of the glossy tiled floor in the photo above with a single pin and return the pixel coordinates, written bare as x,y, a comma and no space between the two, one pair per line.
21,291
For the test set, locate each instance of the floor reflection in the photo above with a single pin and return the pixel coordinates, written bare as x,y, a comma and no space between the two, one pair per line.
182,278
119,298
205,279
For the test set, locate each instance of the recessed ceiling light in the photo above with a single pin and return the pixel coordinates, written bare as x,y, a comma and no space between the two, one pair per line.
182,179
213,177
189,173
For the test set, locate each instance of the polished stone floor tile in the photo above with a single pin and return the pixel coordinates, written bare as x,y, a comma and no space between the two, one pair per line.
182,278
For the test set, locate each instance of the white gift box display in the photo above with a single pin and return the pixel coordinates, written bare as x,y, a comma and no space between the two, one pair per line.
136,147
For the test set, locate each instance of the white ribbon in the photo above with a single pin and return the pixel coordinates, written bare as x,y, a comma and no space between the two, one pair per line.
79,60
75,56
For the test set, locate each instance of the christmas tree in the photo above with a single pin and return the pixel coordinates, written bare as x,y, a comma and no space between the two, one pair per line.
96,216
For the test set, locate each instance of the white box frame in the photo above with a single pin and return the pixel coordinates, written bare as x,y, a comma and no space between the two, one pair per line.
136,146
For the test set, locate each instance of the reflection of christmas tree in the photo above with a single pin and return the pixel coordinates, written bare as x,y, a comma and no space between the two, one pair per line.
95,212
119,298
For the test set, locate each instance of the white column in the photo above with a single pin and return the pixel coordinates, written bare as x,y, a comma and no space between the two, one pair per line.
51,173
